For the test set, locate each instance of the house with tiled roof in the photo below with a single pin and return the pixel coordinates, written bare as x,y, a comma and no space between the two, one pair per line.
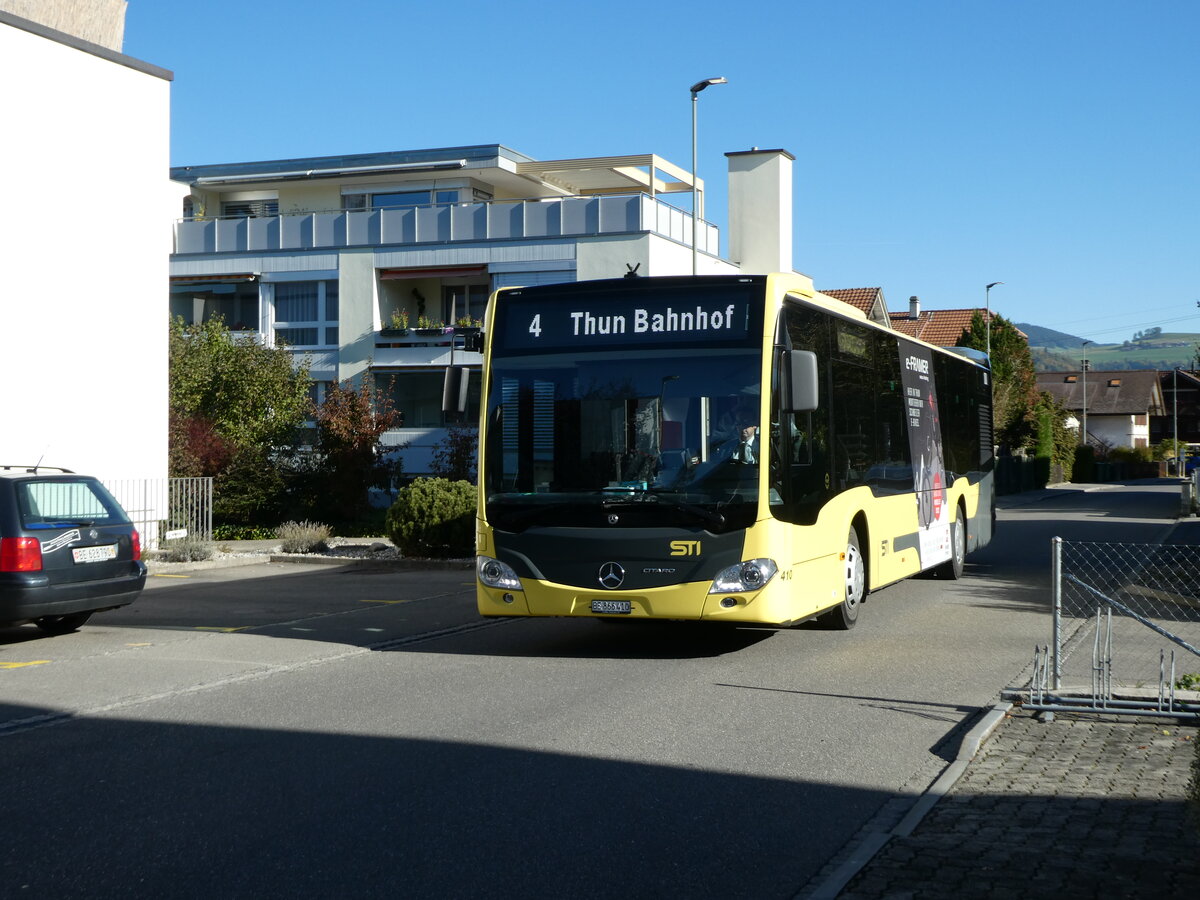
941,327
1181,394
1117,406
868,300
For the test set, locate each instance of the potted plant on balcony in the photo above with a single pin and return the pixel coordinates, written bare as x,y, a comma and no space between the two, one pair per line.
397,325
467,325
426,326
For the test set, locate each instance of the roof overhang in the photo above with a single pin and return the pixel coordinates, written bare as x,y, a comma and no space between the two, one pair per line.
612,174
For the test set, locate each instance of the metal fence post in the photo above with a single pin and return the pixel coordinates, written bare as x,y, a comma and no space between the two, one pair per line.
1056,590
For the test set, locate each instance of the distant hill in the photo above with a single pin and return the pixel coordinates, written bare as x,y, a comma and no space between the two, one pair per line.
1159,351
1048,337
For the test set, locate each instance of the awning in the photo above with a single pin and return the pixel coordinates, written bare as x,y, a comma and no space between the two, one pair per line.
439,272
212,279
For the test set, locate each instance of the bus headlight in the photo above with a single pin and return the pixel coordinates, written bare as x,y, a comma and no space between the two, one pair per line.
496,574
751,575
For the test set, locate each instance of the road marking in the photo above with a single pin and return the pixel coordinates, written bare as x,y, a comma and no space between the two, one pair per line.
391,602
143,644
161,575
16,665
219,628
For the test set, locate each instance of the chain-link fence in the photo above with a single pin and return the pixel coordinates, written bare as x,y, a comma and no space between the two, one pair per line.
1125,631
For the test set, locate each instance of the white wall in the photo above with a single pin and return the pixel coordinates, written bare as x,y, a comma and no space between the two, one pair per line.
1119,431
85,212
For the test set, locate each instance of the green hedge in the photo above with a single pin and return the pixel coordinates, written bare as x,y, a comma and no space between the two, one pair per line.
434,517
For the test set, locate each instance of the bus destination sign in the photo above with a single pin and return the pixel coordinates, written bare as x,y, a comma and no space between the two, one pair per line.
600,322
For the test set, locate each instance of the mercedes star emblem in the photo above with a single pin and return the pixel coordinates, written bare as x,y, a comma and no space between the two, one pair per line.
613,518
611,576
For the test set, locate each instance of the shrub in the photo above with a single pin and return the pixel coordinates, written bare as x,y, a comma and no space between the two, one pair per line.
434,517
242,533
188,549
303,537
1130,454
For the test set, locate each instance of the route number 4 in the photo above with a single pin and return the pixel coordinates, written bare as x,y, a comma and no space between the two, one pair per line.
535,327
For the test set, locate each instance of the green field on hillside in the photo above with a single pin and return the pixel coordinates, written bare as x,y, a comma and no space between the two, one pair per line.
1163,351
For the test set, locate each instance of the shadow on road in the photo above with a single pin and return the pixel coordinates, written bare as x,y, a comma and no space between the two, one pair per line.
170,810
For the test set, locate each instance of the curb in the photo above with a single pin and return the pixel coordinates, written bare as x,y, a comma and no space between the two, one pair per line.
874,841
161,568
431,564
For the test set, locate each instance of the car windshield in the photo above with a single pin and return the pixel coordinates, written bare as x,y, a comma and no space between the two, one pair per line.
653,438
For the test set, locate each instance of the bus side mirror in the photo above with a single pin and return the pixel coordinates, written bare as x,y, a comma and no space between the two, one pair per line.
802,381
454,389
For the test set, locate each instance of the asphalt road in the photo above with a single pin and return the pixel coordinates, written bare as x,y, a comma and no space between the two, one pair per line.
284,730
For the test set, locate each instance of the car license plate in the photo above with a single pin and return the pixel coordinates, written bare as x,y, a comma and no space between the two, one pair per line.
619,607
94,554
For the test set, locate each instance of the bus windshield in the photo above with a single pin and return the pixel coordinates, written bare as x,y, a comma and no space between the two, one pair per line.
662,437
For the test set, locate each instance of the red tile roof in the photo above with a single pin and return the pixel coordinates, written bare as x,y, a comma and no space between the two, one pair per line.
860,298
941,327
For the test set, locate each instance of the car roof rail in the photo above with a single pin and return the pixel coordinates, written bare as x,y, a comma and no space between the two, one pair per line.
34,469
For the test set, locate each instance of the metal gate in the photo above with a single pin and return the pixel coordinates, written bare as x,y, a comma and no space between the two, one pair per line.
1125,631
164,509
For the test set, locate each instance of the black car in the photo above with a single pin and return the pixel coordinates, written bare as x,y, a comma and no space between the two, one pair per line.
67,549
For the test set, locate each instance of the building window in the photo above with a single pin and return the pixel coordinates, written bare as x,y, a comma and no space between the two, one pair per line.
250,208
306,313
235,304
464,301
417,396
397,199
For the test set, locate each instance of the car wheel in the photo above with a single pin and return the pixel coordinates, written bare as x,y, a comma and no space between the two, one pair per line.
854,569
62,624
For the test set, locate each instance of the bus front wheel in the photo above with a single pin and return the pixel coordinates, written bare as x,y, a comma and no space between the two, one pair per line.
854,573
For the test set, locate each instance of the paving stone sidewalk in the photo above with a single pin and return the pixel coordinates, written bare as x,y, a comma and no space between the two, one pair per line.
1074,808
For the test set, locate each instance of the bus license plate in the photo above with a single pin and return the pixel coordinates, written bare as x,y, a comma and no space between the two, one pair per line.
94,554
620,607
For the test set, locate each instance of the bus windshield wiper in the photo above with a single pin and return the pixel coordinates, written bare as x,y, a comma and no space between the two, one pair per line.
659,495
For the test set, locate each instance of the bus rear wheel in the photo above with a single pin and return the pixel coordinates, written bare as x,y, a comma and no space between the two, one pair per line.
953,567
854,569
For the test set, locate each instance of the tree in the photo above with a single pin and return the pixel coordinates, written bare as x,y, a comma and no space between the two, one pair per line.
1014,382
454,458
350,424
235,409
248,394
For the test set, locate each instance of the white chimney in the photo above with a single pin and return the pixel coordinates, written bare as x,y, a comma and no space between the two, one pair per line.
914,307
760,210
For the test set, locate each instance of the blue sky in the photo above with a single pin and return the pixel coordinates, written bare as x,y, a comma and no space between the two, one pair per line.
940,144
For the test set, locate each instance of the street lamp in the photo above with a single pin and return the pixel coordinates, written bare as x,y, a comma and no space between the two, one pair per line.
696,89
987,302
1084,364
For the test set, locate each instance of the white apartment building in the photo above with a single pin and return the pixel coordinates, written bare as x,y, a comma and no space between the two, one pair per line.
327,254
83,352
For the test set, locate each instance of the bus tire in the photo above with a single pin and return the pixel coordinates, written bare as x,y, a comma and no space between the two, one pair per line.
844,616
953,568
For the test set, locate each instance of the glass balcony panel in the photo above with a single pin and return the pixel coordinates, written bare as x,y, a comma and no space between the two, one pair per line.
495,220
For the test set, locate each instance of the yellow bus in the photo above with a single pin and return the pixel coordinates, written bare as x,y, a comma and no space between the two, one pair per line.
721,448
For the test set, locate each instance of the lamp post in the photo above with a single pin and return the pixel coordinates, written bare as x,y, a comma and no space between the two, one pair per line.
987,302
1084,370
1175,418
696,89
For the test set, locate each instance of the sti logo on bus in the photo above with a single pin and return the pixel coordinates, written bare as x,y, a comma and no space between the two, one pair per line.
685,548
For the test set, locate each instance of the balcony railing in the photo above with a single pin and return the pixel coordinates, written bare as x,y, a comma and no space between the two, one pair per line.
441,223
